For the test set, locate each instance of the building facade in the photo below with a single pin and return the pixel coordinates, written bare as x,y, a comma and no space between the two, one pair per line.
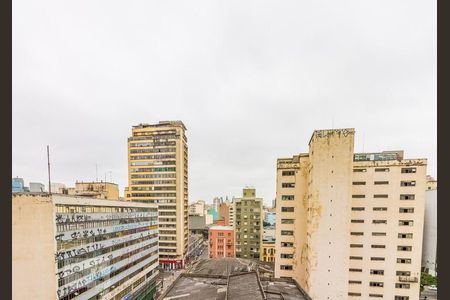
197,208
37,187
224,213
430,233
221,242
17,185
158,173
82,248
361,212
93,189
248,224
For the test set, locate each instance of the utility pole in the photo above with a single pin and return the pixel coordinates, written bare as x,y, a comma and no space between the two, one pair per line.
48,162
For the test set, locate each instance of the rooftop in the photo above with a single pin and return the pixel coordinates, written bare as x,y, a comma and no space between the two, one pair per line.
220,227
231,278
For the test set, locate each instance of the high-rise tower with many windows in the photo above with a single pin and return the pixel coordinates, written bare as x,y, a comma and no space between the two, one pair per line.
158,173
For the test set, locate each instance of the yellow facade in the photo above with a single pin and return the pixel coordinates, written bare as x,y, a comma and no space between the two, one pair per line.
158,173
268,251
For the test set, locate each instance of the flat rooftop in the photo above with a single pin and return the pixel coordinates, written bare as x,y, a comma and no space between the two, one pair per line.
231,279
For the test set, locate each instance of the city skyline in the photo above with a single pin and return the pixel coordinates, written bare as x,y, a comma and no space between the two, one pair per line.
250,86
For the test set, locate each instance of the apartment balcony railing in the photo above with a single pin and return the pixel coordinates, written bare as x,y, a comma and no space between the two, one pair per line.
408,279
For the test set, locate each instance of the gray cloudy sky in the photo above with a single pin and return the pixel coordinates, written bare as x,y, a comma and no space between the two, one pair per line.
250,79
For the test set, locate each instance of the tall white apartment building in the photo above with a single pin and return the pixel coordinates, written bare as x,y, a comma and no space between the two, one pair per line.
349,225
68,247
158,173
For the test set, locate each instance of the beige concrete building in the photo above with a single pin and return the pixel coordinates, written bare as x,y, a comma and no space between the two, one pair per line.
94,189
248,224
158,173
360,212
67,247
197,208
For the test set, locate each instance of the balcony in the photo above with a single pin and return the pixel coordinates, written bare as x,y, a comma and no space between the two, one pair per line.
408,279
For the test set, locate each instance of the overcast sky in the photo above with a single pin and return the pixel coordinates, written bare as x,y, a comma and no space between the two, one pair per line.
251,80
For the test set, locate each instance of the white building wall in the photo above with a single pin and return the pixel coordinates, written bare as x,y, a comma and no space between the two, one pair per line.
430,232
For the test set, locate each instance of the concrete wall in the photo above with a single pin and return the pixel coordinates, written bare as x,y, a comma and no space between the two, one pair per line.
33,248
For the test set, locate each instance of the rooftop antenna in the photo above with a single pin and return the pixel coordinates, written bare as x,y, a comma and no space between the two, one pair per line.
48,162
96,173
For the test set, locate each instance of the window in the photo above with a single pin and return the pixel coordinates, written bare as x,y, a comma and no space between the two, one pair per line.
407,197
358,196
402,285
354,270
287,232
287,209
378,233
354,282
377,272
377,258
377,284
381,182
356,233
284,255
405,235
288,184
401,298
379,221
406,222
285,267
403,273
287,244
380,196
376,295
381,169
356,245
404,248
354,294
359,170
408,170
380,208
287,221
357,221
359,183
356,257
287,197
287,173
408,183
403,260
406,210
379,246
358,208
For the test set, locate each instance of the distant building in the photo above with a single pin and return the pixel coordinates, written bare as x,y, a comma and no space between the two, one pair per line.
221,242
231,213
350,225
431,183
17,185
224,213
197,224
271,218
248,224
430,233
216,203
97,190
66,247
197,208
56,187
37,187
268,244
214,213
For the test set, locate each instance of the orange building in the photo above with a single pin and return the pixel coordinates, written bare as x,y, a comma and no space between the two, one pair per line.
221,241
224,213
